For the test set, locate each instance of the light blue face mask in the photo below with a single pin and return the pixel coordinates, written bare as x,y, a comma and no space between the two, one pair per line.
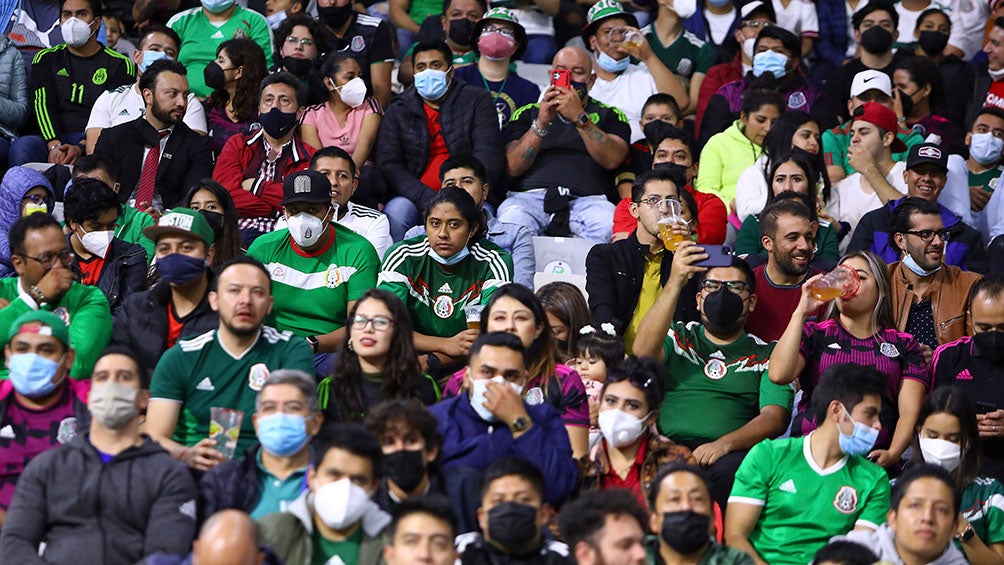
611,65
861,440
985,149
275,19
719,3
910,263
31,374
282,434
217,6
149,57
770,61
451,260
431,84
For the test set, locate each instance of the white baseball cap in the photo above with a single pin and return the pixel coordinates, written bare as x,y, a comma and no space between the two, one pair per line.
871,80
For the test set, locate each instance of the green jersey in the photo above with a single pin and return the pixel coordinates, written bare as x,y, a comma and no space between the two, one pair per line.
200,38
803,506
837,140
312,290
130,230
704,378
199,374
983,508
686,55
987,179
436,298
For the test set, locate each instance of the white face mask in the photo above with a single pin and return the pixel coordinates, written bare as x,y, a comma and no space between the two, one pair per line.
76,32
620,428
305,228
478,389
996,75
941,452
340,504
353,92
748,47
683,8
97,242
113,405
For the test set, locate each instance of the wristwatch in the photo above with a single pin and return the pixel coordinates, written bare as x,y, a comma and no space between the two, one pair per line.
582,120
967,534
312,340
520,424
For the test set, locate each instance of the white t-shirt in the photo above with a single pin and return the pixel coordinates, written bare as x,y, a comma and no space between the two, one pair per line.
628,93
751,189
849,203
535,22
968,23
799,17
125,104
367,222
720,26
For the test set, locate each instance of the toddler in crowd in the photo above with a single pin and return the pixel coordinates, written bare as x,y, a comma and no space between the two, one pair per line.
596,352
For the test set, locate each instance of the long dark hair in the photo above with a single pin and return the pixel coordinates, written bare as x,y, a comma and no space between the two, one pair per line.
953,400
801,160
400,375
565,302
248,54
540,356
228,242
777,143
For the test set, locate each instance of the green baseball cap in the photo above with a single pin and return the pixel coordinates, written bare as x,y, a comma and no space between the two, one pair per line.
602,10
40,322
182,221
501,14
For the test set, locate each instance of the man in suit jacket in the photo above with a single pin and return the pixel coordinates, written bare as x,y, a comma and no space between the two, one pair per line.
184,155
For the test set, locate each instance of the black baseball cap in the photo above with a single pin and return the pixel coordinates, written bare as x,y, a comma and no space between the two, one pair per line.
306,186
927,153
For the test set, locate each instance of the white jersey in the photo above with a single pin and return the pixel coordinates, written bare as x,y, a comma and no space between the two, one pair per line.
849,203
627,92
125,104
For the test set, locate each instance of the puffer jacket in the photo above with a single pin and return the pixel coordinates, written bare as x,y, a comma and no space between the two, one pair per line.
140,502
123,274
723,159
13,88
16,183
948,293
469,124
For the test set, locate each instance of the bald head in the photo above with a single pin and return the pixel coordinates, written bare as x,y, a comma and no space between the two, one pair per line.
572,57
228,537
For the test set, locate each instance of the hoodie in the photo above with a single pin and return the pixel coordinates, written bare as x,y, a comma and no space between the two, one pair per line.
883,543
16,183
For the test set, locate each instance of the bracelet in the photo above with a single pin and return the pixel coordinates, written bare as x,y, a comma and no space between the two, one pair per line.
540,132
37,294
55,147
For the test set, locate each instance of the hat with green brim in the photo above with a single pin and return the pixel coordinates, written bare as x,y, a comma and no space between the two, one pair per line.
40,322
602,10
500,14
184,222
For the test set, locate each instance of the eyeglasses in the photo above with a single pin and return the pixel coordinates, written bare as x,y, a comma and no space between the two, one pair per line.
306,41
496,28
617,32
927,236
712,285
653,201
48,260
755,24
34,199
380,323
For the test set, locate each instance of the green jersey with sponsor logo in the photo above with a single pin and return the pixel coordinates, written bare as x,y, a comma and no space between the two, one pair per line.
199,374
987,179
803,506
435,298
312,290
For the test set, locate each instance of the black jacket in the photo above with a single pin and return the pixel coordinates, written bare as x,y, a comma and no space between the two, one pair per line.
233,484
614,273
470,125
139,503
980,88
186,158
123,274
142,324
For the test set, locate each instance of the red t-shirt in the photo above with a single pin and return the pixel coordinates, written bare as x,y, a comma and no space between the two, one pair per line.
91,269
173,326
438,153
711,217
632,481
995,95
774,305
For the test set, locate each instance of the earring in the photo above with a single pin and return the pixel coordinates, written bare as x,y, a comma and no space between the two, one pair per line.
350,344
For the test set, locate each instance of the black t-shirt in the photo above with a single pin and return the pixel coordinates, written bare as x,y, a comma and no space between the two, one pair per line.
961,363
920,324
563,159
368,41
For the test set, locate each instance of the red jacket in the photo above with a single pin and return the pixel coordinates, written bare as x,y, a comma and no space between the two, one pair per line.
241,159
717,77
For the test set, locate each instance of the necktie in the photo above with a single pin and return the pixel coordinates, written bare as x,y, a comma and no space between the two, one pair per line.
148,178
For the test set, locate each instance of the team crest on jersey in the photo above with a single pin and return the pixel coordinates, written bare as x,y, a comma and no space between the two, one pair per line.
715,369
63,314
67,430
685,68
358,43
993,183
333,276
257,375
100,76
443,307
889,350
534,396
796,100
240,33
846,501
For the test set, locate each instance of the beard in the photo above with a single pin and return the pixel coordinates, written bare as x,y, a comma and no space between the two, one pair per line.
164,114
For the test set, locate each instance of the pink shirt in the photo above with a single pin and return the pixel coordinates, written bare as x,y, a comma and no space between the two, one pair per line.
334,134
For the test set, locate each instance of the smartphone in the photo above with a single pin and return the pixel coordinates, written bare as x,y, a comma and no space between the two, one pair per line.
562,78
985,408
718,256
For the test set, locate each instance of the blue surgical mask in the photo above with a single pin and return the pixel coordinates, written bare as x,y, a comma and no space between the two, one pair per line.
431,84
149,57
910,263
275,19
451,260
861,440
719,3
282,434
611,65
985,149
31,374
217,6
770,61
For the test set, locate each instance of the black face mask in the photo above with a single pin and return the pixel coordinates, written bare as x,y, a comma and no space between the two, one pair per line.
580,89
991,345
297,66
215,221
685,531
932,42
335,16
906,101
876,40
214,76
277,123
406,468
513,525
461,30
723,310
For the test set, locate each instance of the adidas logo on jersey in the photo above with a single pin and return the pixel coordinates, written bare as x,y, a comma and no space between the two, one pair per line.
63,72
205,384
124,112
218,35
788,486
445,289
7,432
834,346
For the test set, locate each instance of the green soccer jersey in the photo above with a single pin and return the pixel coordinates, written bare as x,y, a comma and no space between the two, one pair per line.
435,298
837,140
200,38
987,179
686,55
729,381
312,290
130,230
803,506
983,507
199,374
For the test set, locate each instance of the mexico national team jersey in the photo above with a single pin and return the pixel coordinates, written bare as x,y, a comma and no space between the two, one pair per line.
199,374
983,507
803,506
435,298
312,291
